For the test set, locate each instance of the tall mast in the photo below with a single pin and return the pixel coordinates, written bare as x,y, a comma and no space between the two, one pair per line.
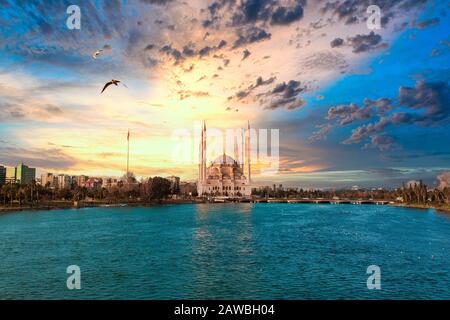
204,152
249,170
128,154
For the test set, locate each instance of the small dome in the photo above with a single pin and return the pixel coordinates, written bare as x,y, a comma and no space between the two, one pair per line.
219,160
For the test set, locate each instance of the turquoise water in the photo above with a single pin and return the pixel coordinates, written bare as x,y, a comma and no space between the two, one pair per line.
226,251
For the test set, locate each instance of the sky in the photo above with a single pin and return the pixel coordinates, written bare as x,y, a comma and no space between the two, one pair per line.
352,105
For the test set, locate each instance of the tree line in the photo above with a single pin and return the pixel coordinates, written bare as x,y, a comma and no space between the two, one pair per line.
149,190
411,193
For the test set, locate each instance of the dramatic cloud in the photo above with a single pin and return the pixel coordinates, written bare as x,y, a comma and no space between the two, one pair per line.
382,142
428,105
346,114
365,42
187,61
337,42
433,99
283,15
285,95
259,83
353,11
252,11
246,54
52,158
250,35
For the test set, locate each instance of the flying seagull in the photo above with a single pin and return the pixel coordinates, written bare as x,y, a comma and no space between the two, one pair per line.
114,82
97,53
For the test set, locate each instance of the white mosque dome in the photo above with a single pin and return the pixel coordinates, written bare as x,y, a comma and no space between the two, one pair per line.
219,160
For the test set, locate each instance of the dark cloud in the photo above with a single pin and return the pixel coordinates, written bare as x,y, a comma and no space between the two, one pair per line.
221,44
284,15
204,51
53,158
174,53
337,42
382,142
189,50
431,98
287,103
252,11
250,35
354,11
365,42
346,114
425,105
285,95
246,54
259,83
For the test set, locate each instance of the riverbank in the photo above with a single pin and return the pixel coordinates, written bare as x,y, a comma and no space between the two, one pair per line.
58,205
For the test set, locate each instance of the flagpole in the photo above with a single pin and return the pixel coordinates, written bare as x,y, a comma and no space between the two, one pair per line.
128,154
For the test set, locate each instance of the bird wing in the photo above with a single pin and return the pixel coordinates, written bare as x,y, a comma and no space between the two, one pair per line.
106,86
97,53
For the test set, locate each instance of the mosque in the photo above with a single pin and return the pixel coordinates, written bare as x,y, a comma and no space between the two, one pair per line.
225,176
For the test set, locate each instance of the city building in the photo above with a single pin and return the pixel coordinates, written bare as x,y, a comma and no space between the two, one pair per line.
111,182
49,180
81,181
21,174
64,181
25,174
93,183
10,175
225,176
2,175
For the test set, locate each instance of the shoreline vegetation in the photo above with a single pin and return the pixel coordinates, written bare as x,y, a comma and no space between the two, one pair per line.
157,190
60,205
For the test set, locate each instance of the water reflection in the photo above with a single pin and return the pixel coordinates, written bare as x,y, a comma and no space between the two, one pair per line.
223,244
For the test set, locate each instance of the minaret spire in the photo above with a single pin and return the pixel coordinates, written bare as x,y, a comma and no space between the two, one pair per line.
204,152
243,150
236,151
249,168
224,148
200,160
